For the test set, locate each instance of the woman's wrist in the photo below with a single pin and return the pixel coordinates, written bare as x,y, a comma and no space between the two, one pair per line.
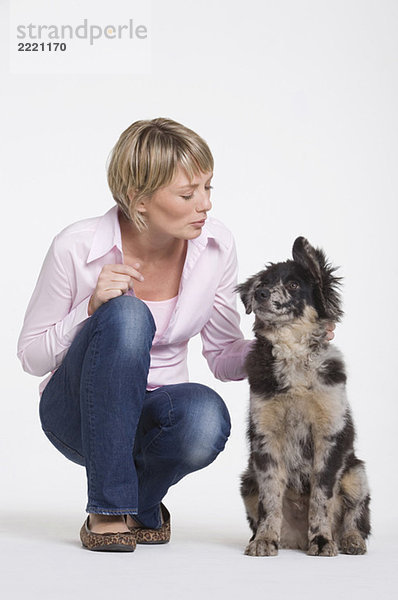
90,308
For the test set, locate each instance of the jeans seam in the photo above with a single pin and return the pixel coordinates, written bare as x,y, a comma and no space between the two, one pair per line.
171,411
90,406
106,511
151,442
171,422
63,443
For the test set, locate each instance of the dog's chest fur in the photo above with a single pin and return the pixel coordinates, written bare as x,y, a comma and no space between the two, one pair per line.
297,395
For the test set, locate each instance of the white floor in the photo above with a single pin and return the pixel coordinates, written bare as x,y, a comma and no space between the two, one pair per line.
42,557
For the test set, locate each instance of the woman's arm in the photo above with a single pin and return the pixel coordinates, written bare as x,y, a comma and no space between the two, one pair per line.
224,346
50,323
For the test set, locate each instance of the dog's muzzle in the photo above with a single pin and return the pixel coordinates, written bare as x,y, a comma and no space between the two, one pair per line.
271,301
262,294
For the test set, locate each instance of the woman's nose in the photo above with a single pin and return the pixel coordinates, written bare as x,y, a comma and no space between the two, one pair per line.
204,202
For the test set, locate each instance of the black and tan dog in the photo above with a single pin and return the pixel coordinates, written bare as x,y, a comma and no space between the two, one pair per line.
304,487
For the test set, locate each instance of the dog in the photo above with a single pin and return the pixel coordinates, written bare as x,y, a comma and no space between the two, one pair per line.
304,488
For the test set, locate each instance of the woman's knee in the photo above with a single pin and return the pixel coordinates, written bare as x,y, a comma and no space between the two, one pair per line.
127,318
204,425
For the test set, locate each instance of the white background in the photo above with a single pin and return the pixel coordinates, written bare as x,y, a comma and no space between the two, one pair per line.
297,100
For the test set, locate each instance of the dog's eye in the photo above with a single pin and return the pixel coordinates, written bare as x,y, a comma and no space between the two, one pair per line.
292,285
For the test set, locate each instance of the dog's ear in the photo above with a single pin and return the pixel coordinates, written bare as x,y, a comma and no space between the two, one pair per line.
326,290
246,291
305,255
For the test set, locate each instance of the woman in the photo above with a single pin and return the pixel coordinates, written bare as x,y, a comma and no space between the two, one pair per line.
115,304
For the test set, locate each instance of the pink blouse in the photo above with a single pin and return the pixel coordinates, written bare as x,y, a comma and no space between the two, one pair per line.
205,305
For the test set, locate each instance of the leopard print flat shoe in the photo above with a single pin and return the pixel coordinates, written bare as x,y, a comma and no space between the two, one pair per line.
108,542
146,535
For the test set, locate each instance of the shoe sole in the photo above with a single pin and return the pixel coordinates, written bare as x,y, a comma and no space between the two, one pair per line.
153,543
111,548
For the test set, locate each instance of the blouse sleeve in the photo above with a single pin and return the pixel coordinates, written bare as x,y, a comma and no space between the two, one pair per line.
50,322
223,344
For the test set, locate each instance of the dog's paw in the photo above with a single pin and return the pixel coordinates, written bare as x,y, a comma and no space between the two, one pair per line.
262,548
352,543
320,546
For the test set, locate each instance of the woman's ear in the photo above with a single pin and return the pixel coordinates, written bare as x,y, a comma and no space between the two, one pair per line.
141,204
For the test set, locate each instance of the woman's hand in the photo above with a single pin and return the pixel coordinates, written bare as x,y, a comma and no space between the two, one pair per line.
113,281
330,327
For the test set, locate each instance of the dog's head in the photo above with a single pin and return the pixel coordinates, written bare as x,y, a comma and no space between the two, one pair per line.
280,293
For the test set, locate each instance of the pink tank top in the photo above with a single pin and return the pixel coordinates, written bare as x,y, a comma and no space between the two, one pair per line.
161,311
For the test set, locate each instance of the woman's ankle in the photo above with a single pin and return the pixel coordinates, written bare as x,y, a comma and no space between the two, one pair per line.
99,523
131,522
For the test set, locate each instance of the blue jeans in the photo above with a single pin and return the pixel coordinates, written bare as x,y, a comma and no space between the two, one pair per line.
134,443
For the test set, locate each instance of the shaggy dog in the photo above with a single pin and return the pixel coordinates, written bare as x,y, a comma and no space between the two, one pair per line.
304,487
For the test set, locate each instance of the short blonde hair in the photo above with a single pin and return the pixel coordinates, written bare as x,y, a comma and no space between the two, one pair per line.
146,157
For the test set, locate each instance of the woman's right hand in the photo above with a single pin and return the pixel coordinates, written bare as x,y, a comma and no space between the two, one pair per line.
113,281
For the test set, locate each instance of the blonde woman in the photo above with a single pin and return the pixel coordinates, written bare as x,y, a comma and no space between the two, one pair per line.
116,302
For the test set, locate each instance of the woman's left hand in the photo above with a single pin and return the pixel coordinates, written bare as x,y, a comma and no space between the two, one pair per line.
330,327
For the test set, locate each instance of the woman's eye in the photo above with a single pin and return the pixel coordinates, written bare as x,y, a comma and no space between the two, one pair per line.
207,188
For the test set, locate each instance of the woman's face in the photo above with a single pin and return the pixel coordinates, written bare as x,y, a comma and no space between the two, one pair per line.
175,209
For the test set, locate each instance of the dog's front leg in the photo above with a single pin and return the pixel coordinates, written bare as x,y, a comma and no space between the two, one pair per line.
271,482
322,502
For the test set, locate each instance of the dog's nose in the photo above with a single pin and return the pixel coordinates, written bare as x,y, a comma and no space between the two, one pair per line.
261,294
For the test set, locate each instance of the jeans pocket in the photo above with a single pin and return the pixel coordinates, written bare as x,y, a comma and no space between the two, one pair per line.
66,450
